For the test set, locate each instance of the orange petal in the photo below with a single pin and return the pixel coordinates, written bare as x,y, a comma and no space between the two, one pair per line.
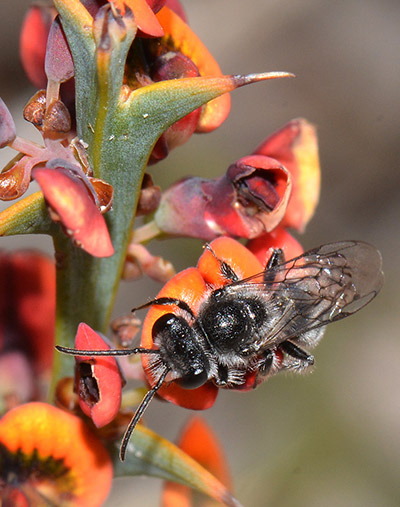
239,258
296,147
201,444
186,41
199,441
145,18
189,286
57,454
68,197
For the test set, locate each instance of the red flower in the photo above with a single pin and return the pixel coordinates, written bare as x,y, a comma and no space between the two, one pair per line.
98,379
47,454
250,199
27,320
277,185
187,42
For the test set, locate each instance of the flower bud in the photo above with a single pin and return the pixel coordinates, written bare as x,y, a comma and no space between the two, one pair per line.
72,205
33,40
8,131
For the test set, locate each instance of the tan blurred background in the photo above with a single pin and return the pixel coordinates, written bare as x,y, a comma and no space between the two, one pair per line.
330,438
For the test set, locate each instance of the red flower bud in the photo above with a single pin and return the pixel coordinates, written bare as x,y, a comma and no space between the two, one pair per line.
33,40
68,197
59,65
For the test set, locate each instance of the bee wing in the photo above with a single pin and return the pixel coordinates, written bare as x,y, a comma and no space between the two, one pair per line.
323,285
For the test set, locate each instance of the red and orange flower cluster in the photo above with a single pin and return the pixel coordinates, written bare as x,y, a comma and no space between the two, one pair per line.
48,452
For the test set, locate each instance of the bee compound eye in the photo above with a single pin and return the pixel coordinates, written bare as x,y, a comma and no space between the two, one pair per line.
163,324
193,379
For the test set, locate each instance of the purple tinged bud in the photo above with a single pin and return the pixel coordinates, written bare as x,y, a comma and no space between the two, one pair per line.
8,131
59,65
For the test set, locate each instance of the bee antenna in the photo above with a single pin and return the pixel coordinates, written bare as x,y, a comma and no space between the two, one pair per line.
108,352
139,412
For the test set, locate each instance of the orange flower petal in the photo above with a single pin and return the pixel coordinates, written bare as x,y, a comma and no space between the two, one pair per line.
188,43
239,258
296,147
104,373
145,18
68,197
57,454
201,444
189,286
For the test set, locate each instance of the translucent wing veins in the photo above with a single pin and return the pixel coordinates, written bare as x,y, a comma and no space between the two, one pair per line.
323,285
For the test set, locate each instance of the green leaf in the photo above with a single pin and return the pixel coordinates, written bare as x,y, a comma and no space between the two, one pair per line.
150,454
77,24
27,216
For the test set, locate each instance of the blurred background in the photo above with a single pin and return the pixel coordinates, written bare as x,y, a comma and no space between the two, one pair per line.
330,438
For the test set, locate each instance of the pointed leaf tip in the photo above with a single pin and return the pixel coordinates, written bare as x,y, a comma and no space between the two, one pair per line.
244,79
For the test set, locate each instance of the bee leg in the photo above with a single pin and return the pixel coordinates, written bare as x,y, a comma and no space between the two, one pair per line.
296,352
222,378
225,269
266,362
277,257
264,367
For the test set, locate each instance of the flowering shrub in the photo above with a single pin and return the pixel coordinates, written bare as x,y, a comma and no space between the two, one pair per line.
121,84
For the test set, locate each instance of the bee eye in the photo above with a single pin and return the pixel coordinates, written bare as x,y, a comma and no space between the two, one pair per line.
163,323
194,379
